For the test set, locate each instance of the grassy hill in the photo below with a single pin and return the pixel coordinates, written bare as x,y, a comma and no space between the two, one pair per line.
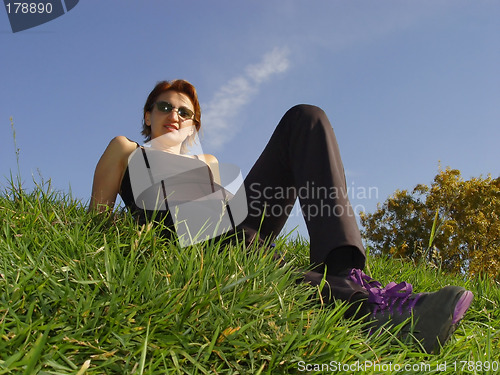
80,294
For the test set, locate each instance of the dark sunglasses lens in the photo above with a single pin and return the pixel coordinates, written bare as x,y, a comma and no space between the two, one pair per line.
164,107
185,113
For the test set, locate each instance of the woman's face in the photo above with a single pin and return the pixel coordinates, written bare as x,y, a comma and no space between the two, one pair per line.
170,127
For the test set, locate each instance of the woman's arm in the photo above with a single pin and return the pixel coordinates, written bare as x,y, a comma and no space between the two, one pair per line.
213,164
109,172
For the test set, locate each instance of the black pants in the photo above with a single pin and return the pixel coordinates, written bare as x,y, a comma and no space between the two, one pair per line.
302,160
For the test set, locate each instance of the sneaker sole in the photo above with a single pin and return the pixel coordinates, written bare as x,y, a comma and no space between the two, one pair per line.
462,306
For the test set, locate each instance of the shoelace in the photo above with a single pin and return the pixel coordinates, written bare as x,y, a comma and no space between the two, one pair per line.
385,297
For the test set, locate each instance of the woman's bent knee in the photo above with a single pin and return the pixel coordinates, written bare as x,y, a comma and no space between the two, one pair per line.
307,110
306,115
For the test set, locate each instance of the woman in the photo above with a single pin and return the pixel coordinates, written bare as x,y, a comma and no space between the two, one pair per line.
173,125
301,160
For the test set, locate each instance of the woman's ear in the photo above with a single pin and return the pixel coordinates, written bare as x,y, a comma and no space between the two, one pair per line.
147,118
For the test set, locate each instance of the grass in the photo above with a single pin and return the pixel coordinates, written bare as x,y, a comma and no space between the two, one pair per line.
80,294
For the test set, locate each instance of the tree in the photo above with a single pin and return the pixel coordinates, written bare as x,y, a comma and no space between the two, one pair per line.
452,222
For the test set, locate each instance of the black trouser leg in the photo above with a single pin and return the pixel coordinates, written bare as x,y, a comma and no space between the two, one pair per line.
302,159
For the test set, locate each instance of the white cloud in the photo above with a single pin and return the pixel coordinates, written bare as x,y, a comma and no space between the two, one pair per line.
220,114
273,62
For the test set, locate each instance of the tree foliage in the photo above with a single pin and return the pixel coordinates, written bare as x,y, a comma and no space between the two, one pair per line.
452,223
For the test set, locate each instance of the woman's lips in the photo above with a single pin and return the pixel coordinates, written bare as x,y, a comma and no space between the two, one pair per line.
170,127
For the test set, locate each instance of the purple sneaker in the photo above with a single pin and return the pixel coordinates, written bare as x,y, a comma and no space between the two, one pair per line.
435,315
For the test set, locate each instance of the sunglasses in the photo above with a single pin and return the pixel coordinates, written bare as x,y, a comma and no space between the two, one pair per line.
183,112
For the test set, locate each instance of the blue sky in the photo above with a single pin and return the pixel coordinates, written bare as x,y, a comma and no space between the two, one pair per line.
406,84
